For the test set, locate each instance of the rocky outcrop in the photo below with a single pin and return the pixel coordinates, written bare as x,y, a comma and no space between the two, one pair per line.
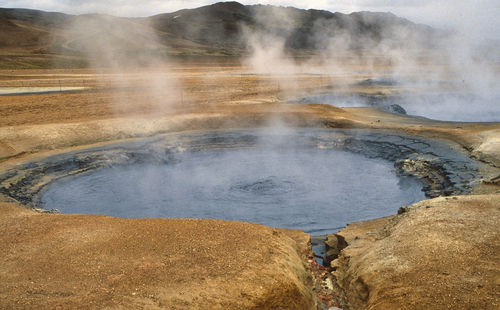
333,245
430,170
394,108
442,168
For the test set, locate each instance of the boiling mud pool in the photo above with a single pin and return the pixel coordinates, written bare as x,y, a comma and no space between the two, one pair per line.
445,106
317,190
453,107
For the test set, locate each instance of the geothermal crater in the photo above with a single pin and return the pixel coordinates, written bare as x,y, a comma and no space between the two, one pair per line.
310,179
312,189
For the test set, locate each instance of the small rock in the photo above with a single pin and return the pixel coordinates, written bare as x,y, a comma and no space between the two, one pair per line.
333,245
394,108
403,209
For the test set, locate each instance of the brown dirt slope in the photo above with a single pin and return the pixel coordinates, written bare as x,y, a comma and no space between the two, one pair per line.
84,261
441,254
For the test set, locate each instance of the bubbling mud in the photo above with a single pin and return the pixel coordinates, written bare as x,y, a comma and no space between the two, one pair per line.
312,179
274,181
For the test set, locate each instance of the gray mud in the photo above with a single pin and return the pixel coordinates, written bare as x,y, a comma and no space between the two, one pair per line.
438,166
382,102
452,106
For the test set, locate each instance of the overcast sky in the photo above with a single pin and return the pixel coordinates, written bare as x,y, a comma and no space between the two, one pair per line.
478,17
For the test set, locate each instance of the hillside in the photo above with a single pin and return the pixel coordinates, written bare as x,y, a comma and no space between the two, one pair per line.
223,24
221,29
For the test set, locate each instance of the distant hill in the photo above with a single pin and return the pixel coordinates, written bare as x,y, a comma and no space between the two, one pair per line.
220,25
219,29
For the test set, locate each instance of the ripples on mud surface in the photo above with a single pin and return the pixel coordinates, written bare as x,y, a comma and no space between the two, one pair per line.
275,181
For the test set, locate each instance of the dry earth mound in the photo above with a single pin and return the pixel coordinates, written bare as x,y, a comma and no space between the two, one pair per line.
439,254
78,261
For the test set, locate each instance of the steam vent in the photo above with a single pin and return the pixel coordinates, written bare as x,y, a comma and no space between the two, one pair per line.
249,156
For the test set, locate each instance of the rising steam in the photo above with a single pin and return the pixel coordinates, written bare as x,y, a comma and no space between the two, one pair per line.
445,75
129,57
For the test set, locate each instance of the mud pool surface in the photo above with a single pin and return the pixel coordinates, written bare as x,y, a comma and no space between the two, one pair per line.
315,190
311,179
461,107
456,106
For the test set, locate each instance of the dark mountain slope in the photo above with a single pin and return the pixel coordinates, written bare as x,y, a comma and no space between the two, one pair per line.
220,29
223,24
